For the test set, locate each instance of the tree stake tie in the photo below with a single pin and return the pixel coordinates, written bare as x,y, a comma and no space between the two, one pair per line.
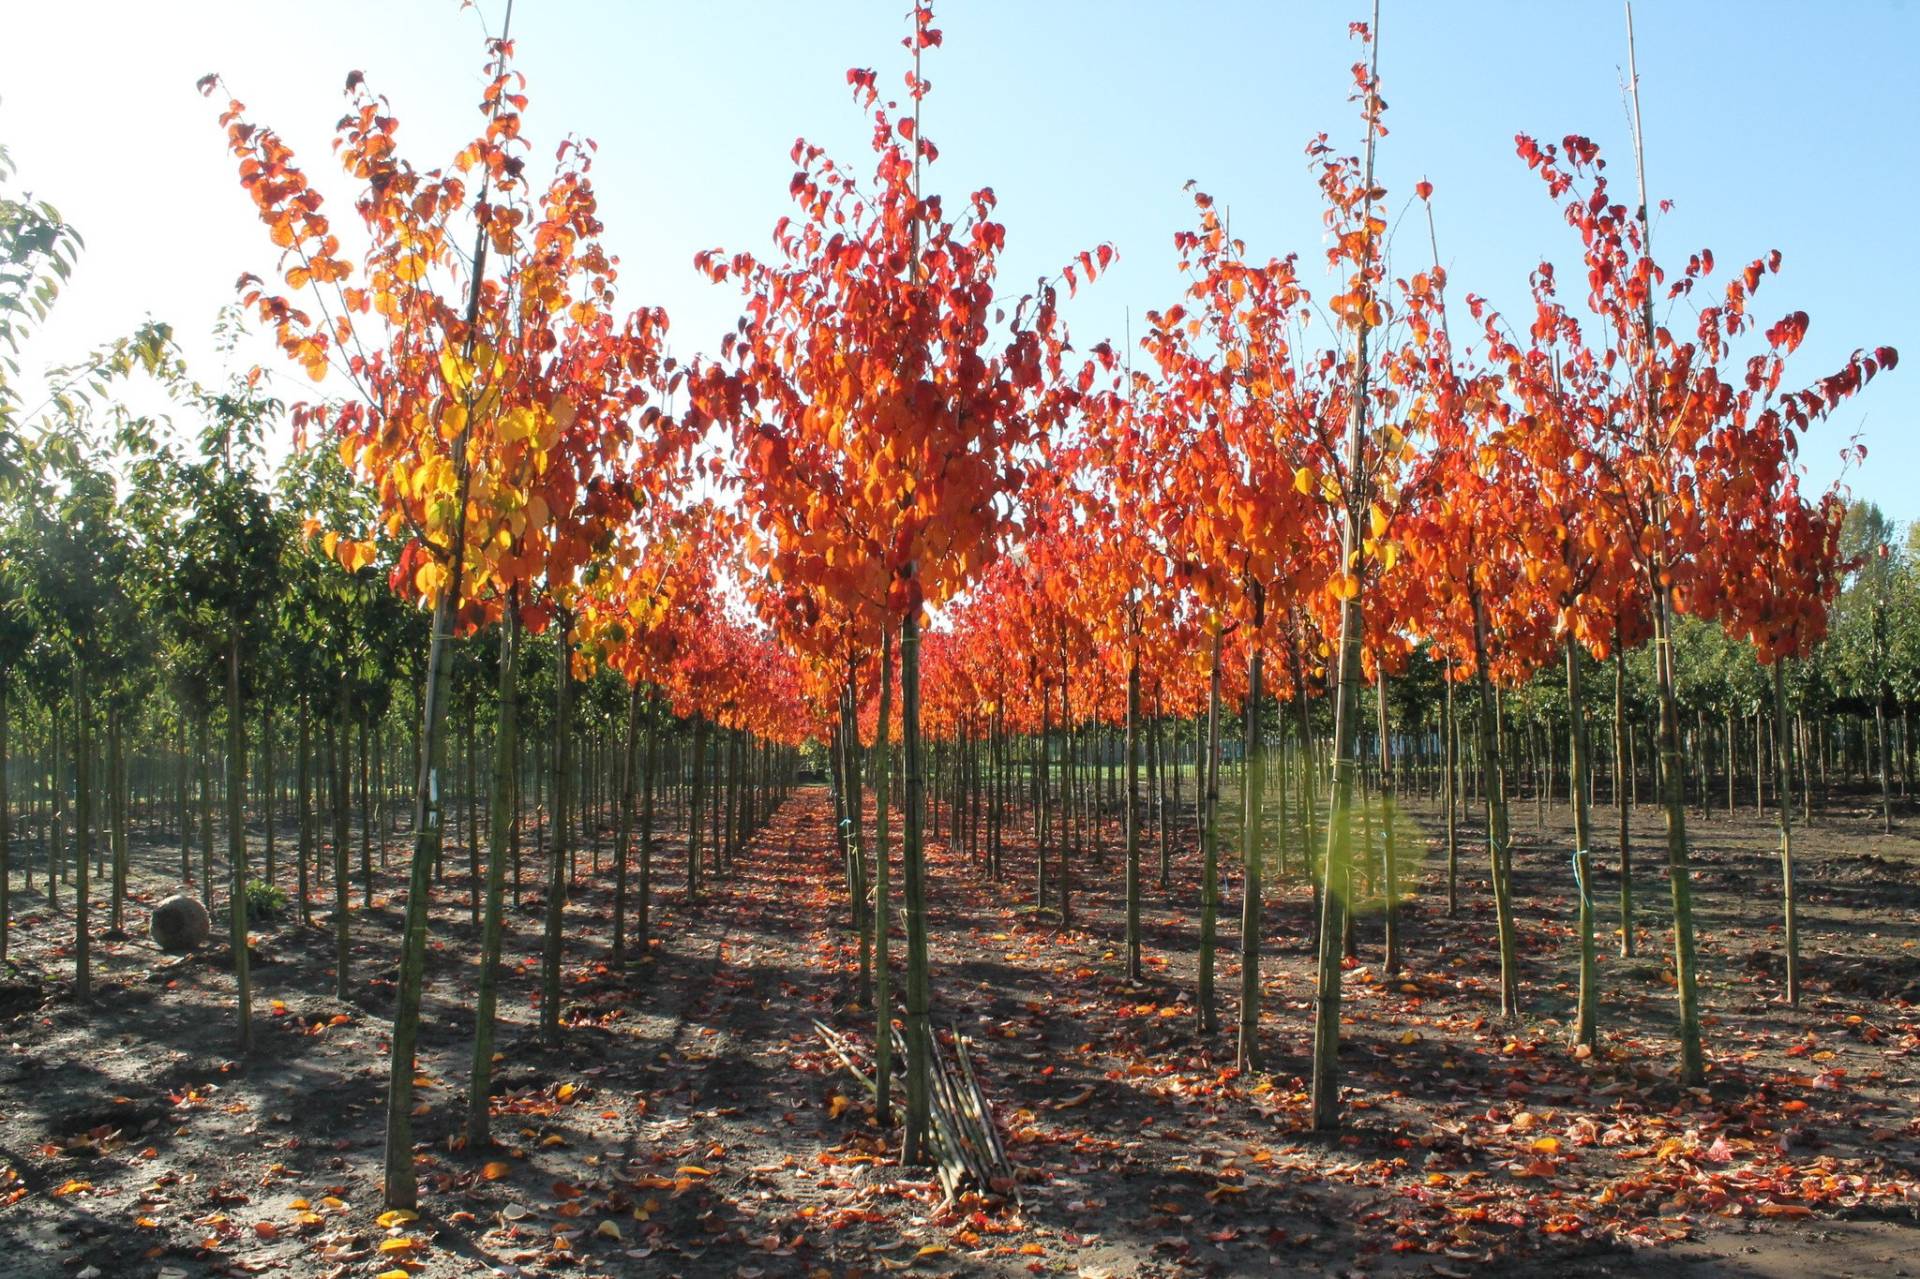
1580,880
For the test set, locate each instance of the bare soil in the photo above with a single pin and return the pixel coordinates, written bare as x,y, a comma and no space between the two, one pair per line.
694,1124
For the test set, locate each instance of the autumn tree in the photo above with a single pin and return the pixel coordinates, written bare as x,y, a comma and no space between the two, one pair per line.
1247,416
1674,395
488,388
881,417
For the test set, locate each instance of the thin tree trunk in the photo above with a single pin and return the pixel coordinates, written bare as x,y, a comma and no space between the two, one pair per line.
1247,1045
1391,961
1692,1062
304,785
1157,769
500,822
82,840
1063,879
1880,752
1042,801
882,898
237,843
1209,781
206,816
1586,1021
919,1036
643,908
366,820
1623,796
624,832
337,763
1133,815
1449,786
267,790
1499,838
558,851
472,831
6,824
696,794
1783,782
117,815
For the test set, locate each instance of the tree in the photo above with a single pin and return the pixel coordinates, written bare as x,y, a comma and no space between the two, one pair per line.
1867,545
1253,422
72,517
38,250
1672,399
880,421
465,389
228,570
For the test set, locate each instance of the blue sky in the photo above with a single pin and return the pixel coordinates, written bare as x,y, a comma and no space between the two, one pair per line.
1769,125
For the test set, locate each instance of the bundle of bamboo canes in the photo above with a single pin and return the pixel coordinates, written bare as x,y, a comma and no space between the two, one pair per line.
966,1142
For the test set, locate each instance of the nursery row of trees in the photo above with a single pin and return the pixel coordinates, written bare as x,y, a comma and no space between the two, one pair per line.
1330,545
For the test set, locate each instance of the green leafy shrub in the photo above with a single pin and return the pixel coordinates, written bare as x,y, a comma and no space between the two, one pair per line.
265,901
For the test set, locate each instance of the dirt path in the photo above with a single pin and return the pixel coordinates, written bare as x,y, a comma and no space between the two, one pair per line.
692,1124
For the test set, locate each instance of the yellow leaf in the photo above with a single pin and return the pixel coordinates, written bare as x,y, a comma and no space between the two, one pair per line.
693,1170
395,1273
405,1243
428,579
72,1187
1303,481
1546,1146
397,1217
607,1230
516,424
457,372
567,1091
932,1250
836,1104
